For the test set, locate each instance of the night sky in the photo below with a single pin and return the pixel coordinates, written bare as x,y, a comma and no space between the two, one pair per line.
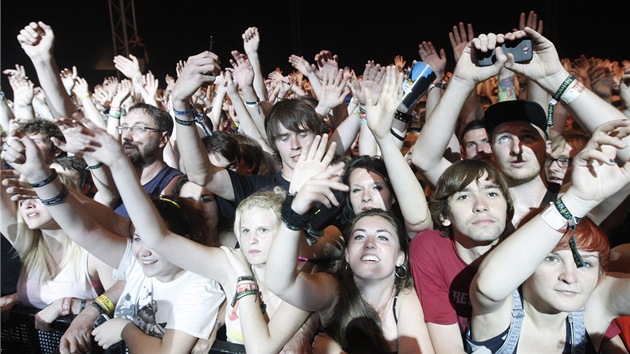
355,30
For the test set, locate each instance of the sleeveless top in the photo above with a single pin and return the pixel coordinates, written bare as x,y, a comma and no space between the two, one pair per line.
65,284
154,187
577,340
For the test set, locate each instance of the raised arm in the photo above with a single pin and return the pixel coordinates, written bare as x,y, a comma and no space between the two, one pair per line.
434,138
199,69
65,208
251,41
547,70
595,177
409,193
37,40
309,292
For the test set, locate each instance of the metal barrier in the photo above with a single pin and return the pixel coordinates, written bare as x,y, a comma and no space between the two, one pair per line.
19,336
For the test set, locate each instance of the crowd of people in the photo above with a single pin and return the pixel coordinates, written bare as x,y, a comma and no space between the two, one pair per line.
313,212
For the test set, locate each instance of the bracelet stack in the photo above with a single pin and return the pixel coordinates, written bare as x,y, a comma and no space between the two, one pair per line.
245,286
186,113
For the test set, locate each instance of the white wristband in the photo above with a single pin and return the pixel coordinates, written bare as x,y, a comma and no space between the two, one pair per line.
575,89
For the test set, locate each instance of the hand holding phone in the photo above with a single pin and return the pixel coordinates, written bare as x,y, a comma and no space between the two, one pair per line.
522,49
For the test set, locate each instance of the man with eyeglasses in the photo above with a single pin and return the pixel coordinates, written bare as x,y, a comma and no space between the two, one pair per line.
144,132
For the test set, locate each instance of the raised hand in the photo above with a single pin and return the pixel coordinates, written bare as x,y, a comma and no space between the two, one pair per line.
23,90
380,115
129,67
123,91
602,81
301,64
68,78
334,90
251,40
16,187
428,54
179,67
81,88
200,69
466,68
21,153
596,175
326,63
312,162
373,78
545,64
18,71
104,97
531,21
37,40
460,38
400,63
243,70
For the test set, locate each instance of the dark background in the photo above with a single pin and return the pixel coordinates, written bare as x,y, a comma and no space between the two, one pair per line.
355,30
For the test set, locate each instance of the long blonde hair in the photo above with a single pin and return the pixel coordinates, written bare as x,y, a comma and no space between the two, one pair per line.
36,258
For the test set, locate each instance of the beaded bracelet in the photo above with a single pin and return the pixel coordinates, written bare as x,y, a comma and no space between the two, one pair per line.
56,199
46,181
292,220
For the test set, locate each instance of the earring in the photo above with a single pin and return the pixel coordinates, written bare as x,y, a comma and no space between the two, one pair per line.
401,272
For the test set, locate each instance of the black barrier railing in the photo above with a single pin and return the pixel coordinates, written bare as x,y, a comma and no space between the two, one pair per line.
19,336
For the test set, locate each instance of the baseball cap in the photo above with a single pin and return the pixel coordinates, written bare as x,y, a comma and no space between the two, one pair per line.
509,111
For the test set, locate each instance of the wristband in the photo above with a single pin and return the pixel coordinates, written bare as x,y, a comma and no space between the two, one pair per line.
99,308
83,303
184,122
65,306
187,112
246,287
45,181
396,135
245,278
574,90
95,167
572,222
362,121
105,303
56,199
554,100
292,220
114,115
403,117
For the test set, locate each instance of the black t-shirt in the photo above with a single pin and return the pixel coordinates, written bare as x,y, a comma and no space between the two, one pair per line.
246,185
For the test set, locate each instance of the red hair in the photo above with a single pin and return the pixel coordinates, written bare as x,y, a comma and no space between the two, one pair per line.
588,237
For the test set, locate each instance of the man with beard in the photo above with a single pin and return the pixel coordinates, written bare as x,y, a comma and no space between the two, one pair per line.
144,132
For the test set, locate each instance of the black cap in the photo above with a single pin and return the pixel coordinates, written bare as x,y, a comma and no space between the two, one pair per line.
509,111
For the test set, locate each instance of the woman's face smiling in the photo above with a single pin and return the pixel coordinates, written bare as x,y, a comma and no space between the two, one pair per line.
373,250
153,265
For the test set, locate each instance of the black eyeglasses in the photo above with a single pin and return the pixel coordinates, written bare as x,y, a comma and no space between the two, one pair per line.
563,162
136,129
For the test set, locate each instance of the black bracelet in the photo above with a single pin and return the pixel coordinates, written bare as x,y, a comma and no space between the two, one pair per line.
245,277
95,167
83,303
184,122
403,117
57,199
45,181
399,137
292,220
99,308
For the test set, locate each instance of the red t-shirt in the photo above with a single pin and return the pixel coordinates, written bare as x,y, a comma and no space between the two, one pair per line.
442,279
